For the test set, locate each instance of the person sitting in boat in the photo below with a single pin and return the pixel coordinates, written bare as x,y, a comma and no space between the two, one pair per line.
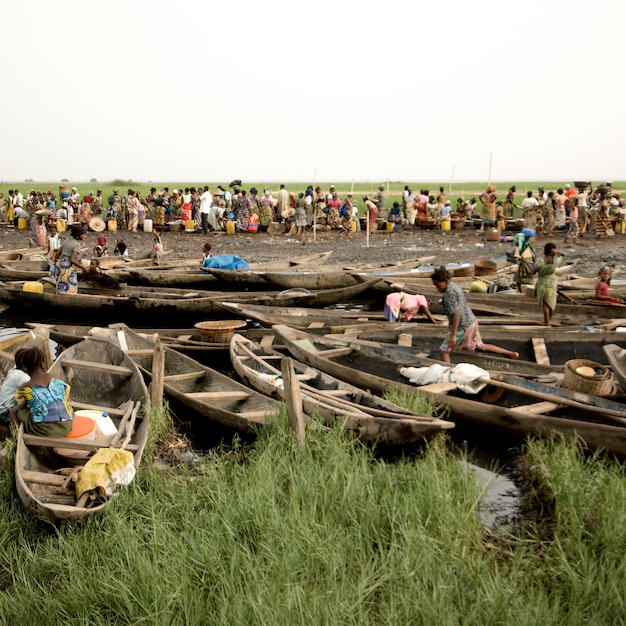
602,288
409,304
15,378
43,402
206,251
463,326
65,271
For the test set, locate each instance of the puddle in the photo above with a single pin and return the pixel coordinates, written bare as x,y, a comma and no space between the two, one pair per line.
501,500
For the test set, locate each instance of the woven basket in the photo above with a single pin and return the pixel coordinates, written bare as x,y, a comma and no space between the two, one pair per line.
464,270
458,223
220,331
598,385
485,268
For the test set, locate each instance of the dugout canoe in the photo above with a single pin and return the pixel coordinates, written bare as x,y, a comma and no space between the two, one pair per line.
203,390
193,277
371,418
362,366
102,378
617,358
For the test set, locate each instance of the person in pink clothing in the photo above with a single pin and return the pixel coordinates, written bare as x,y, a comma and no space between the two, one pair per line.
409,304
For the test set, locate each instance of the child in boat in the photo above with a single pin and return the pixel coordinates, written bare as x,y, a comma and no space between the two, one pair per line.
463,333
43,402
120,248
602,288
15,378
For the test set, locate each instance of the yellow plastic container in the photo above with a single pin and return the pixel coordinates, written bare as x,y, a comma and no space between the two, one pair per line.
620,227
22,223
230,227
190,225
353,226
390,226
33,287
446,224
61,225
112,225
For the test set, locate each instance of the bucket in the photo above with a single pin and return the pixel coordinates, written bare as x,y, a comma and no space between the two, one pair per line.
22,223
83,429
61,225
147,225
445,225
190,225
112,224
220,331
252,228
492,234
390,226
33,287
230,227
105,428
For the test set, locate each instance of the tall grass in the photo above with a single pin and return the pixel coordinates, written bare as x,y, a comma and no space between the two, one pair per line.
324,534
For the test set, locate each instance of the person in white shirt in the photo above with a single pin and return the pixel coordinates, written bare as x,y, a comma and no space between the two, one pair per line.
205,208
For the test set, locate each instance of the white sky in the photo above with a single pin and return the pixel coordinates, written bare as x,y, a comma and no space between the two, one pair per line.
328,91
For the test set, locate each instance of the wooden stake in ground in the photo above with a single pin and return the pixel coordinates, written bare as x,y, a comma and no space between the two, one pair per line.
490,164
451,179
158,371
293,399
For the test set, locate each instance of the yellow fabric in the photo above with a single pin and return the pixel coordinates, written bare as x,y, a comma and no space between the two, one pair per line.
106,470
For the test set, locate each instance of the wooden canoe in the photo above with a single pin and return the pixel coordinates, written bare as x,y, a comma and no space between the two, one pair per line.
371,418
363,367
617,358
193,277
102,378
203,390
12,340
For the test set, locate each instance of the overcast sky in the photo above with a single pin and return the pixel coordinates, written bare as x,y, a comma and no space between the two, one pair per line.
328,91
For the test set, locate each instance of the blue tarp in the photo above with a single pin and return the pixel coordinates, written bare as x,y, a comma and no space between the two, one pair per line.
225,262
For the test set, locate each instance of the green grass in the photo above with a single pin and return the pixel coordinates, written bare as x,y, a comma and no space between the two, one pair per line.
324,534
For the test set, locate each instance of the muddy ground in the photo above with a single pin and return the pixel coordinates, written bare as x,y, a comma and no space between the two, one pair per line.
448,247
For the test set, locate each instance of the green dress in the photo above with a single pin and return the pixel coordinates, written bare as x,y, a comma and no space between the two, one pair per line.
546,289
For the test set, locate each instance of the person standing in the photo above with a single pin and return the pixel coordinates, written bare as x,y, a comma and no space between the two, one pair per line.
133,206
205,209
371,210
66,260
488,211
525,253
463,332
381,201
283,203
529,207
546,288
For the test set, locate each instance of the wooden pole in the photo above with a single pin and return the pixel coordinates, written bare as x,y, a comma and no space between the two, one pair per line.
293,399
352,186
158,370
451,179
490,164
367,226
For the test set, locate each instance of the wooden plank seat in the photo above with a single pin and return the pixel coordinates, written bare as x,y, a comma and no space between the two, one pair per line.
184,376
219,395
98,367
65,442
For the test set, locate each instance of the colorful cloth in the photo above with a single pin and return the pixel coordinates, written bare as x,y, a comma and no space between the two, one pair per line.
467,338
66,276
107,470
47,404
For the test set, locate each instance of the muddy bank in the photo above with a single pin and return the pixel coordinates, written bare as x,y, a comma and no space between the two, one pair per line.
447,247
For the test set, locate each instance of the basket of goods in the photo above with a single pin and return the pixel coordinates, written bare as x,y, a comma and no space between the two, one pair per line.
458,223
485,267
427,224
175,226
587,377
463,270
581,184
492,234
220,331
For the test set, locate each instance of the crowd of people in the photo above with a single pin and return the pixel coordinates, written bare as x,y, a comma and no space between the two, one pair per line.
576,211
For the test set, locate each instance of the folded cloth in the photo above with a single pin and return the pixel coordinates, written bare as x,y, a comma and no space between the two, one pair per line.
107,470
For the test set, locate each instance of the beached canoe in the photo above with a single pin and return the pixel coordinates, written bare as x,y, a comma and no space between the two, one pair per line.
371,418
102,378
599,422
203,390
617,358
